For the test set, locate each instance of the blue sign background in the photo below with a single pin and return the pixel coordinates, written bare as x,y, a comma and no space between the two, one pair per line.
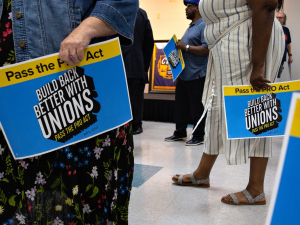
235,114
287,201
21,125
167,50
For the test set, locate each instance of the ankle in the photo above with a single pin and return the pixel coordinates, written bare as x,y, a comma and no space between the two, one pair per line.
255,190
199,175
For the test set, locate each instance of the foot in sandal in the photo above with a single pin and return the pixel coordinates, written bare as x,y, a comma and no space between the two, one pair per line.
190,180
244,198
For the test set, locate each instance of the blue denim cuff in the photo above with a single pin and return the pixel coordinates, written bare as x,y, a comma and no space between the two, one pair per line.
116,20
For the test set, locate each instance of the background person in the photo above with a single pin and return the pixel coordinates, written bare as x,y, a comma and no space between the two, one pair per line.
84,183
137,59
189,88
288,49
244,39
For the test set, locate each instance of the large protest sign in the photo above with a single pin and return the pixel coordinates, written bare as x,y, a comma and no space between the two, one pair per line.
255,114
174,57
46,104
284,205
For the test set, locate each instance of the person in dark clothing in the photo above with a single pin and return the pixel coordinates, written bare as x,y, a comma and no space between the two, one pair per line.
189,88
288,49
137,59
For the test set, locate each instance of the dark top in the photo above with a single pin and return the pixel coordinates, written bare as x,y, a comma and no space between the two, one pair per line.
195,65
137,57
288,40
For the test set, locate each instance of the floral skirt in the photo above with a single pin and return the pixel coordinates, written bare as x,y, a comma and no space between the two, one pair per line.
85,183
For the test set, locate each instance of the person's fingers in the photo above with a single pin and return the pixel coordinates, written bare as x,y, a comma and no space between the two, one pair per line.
256,88
70,55
260,85
264,84
72,50
77,55
64,55
70,59
74,57
257,85
80,53
265,80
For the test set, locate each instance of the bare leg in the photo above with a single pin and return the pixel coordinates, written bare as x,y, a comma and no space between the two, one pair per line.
255,185
203,170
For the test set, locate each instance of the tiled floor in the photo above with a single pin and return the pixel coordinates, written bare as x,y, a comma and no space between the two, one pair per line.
156,200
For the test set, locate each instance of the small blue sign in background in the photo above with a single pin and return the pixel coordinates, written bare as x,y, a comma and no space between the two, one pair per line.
167,50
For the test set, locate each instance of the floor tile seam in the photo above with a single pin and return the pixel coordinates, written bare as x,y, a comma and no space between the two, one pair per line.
164,210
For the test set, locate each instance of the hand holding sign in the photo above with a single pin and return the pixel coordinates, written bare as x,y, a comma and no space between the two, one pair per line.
180,45
59,105
174,55
257,79
72,48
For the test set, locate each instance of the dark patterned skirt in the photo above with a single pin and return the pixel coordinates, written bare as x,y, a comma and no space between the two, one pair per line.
85,183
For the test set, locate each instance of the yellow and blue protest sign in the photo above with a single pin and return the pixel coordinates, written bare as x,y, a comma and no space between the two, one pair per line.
47,104
255,114
284,205
174,57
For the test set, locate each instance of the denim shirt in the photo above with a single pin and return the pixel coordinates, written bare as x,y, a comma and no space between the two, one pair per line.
195,65
40,26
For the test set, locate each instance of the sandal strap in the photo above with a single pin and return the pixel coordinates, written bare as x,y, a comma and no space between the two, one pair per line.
259,197
253,200
194,181
234,198
180,179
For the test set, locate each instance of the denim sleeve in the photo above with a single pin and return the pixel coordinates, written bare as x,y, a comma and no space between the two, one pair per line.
119,15
203,42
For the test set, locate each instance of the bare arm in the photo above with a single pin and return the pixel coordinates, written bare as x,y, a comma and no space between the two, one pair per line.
197,50
262,22
289,50
80,38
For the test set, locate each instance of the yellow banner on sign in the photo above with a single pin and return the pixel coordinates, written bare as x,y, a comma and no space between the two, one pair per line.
295,130
275,88
180,52
32,69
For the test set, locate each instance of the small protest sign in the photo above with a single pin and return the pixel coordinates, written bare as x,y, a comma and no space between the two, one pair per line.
255,114
174,57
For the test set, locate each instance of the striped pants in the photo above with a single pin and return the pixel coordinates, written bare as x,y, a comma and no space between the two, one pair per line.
230,64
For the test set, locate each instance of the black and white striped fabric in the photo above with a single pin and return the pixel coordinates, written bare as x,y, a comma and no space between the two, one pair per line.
228,34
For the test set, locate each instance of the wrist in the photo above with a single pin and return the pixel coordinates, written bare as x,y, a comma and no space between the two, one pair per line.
290,54
187,48
258,67
94,27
